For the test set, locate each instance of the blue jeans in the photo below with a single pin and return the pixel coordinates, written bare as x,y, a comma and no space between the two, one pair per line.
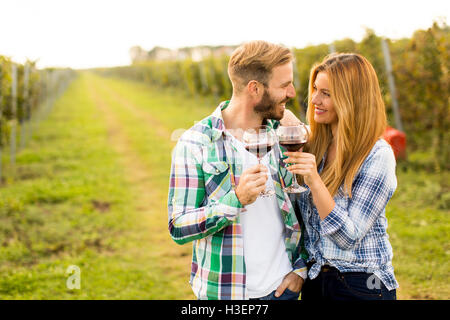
287,295
335,285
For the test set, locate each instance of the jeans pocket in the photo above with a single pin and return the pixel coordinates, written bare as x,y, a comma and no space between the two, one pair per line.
361,285
289,295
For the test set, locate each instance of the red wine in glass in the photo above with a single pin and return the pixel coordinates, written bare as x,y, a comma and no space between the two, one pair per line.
293,138
259,150
293,145
259,141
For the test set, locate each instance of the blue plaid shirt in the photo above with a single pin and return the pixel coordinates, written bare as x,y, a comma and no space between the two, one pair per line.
353,236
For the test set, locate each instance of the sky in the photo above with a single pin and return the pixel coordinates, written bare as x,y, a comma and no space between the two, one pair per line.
99,33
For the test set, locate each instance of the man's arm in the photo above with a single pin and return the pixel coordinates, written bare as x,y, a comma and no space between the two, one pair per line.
191,217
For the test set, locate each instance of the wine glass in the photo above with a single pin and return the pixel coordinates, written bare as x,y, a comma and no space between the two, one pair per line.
293,138
260,141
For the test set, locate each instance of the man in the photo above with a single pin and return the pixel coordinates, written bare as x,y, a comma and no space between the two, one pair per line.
244,246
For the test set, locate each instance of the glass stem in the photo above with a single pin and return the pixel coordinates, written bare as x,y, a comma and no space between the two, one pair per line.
295,183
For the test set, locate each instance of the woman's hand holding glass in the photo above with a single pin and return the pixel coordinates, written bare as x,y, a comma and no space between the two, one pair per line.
304,164
293,138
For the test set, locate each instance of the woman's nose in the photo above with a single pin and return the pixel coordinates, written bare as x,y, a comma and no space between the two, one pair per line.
315,99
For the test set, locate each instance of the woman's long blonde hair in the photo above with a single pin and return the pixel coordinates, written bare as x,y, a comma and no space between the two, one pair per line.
361,114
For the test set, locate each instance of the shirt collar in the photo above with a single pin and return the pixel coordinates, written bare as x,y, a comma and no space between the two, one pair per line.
217,123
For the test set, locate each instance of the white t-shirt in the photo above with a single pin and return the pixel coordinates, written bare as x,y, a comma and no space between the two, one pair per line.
266,260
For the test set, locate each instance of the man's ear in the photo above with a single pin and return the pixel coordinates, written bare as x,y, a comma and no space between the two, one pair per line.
254,88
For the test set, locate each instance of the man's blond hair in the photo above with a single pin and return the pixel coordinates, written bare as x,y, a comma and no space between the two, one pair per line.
255,60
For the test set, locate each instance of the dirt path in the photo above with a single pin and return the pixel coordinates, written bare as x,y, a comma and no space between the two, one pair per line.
160,129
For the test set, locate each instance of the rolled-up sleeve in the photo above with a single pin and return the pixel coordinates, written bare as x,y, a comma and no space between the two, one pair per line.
191,217
371,190
300,268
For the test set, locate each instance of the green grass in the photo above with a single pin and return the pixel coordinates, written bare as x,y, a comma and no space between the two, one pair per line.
91,190
419,229
49,220
73,205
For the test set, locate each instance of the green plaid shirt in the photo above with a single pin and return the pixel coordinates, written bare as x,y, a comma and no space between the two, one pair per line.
203,208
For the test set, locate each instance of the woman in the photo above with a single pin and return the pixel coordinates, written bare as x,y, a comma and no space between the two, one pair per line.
350,175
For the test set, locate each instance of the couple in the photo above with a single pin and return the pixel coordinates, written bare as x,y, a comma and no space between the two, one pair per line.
251,247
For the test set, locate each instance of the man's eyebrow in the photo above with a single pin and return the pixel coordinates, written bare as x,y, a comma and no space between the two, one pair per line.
286,83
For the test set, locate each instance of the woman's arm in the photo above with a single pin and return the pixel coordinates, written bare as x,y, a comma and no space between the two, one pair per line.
371,190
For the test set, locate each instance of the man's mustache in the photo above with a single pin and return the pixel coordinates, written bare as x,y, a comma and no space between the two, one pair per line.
285,100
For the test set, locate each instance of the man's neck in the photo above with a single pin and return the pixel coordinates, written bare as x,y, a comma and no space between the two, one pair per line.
240,115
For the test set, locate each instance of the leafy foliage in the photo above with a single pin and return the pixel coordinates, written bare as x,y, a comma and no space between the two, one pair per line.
32,88
420,68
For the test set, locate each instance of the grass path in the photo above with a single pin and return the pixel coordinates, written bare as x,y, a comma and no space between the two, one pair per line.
130,133
92,187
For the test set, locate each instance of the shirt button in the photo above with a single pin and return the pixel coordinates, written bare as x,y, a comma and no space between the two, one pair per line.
217,171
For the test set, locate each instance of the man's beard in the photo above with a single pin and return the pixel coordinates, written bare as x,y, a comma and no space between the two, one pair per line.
267,107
